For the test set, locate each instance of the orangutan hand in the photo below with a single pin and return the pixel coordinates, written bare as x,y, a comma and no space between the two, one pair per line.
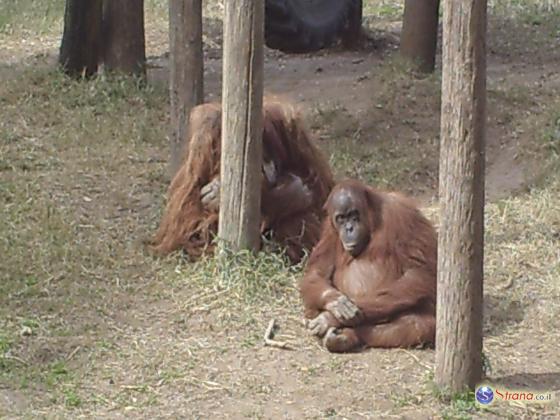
210,195
343,309
320,324
292,189
269,171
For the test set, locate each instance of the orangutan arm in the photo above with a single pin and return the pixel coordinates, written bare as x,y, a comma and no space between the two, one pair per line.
288,197
325,306
414,289
318,291
210,195
337,311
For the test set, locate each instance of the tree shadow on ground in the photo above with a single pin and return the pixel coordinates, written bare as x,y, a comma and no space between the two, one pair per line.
535,381
500,314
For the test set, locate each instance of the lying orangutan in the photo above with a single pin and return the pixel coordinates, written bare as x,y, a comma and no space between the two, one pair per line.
371,279
296,182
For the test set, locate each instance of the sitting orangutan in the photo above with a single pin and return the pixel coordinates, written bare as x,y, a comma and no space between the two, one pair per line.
296,182
371,279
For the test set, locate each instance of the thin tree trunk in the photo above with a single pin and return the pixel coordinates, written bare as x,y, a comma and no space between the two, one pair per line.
123,24
419,33
242,124
80,48
461,238
185,72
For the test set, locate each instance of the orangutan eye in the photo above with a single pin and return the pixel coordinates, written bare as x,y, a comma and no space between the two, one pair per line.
339,219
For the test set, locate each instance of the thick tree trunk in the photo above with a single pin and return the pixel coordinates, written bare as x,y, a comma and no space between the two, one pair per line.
123,31
419,33
461,237
185,72
242,124
352,34
81,41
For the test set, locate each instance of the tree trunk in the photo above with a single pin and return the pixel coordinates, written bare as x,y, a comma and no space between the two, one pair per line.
81,41
123,30
242,124
352,34
185,72
461,190
419,33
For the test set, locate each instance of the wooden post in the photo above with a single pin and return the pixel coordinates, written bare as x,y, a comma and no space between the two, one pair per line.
186,72
123,30
461,192
242,124
80,49
419,33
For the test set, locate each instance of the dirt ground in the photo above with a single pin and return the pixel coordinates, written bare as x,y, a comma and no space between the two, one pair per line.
93,326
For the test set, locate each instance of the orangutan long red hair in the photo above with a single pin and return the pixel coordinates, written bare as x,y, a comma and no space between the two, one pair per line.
187,224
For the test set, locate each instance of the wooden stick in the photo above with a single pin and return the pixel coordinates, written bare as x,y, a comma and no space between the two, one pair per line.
268,341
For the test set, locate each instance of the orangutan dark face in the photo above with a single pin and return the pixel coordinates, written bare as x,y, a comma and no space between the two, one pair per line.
350,221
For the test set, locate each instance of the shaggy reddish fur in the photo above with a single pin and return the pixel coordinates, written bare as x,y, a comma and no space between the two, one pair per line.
392,282
188,225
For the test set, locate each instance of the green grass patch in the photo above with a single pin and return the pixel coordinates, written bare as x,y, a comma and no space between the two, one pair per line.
456,406
461,407
40,16
71,398
6,342
386,9
56,373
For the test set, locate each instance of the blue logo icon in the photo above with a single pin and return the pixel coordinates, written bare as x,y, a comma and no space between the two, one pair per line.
484,395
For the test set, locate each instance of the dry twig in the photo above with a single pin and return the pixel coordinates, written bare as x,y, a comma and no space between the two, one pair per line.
268,341
73,353
15,358
424,365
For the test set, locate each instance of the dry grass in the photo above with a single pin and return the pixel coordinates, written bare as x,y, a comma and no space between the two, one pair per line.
398,127
92,326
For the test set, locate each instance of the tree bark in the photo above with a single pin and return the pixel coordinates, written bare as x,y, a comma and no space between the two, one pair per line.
80,48
461,184
352,34
242,125
419,33
123,30
185,72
